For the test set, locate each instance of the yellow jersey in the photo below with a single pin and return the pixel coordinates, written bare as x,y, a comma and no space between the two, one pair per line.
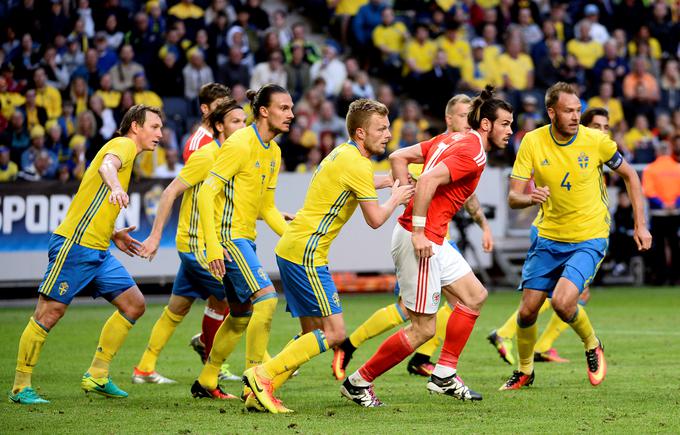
90,218
577,208
517,70
189,236
392,37
245,168
458,52
343,178
422,55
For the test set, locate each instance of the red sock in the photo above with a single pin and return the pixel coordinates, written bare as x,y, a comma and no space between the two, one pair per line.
458,330
389,354
211,323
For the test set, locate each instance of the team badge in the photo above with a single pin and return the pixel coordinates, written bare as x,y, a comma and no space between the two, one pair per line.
435,298
63,288
261,273
272,166
336,298
583,160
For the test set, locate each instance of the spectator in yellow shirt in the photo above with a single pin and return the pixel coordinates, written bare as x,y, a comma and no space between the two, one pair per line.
186,9
481,71
516,67
390,37
8,169
9,101
643,36
144,96
46,96
586,50
639,136
605,99
420,52
411,114
110,96
458,53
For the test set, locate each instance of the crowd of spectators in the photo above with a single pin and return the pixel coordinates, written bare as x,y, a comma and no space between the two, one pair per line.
69,69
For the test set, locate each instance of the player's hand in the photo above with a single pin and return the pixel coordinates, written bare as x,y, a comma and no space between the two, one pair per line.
540,195
643,238
126,243
119,197
149,247
402,194
288,216
487,240
422,245
217,268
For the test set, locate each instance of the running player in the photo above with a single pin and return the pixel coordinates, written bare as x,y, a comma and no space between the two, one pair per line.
427,267
566,160
395,314
194,279
79,257
501,339
343,180
244,177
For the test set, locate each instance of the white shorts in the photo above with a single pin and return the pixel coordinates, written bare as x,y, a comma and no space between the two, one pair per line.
421,279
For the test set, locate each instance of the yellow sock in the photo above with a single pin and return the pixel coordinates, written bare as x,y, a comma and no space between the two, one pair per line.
429,347
553,330
226,338
259,328
581,324
382,320
30,344
297,353
160,334
266,357
526,339
113,335
509,328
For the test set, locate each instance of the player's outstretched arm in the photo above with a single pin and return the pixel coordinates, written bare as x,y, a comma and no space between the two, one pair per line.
400,159
376,215
171,192
518,199
474,209
271,215
641,234
108,170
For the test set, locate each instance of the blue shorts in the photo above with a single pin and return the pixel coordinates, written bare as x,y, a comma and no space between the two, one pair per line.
194,279
310,291
244,270
548,260
453,245
74,267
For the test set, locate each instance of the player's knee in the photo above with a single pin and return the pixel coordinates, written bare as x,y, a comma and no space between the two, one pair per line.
424,331
48,318
477,300
134,311
335,336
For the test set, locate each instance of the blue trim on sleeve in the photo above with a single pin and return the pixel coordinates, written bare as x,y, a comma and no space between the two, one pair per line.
320,339
257,133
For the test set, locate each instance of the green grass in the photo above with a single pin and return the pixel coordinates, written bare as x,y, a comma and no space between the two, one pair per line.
641,393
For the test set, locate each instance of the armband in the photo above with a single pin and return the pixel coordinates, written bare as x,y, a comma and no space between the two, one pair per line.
615,161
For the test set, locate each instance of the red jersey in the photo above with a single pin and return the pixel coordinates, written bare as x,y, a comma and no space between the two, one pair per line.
464,156
198,139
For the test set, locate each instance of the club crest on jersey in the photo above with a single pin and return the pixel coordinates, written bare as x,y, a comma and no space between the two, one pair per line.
272,165
435,298
261,273
63,288
583,160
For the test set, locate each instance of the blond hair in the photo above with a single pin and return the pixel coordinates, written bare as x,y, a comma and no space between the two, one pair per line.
456,99
360,112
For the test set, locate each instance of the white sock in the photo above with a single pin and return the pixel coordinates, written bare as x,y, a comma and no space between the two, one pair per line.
441,371
357,380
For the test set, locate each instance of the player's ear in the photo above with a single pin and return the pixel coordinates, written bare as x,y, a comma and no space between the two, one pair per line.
204,109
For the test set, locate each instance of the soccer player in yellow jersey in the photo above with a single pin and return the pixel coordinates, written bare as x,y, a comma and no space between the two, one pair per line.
194,279
343,180
79,257
395,314
244,177
501,339
565,160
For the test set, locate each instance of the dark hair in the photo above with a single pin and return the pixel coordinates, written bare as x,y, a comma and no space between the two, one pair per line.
136,113
591,112
485,105
263,97
222,109
211,92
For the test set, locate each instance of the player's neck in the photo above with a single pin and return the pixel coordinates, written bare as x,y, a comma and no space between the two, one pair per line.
484,137
360,146
559,136
264,132
206,125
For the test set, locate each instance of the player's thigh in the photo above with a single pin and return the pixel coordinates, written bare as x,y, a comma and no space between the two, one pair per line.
310,291
130,303
418,278
468,290
584,261
544,265
245,270
180,305
111,280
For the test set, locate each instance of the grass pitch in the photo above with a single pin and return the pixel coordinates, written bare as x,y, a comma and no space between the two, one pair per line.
639,328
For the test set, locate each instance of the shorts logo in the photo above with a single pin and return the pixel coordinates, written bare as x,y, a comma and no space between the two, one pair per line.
583,160
336,298
63,288
435,298
261,273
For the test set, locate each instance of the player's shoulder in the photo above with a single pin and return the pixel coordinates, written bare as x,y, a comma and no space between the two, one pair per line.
537,135
348,156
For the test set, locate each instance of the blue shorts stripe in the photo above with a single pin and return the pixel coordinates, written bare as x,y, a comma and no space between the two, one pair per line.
321,298
243,267
320,339
310,291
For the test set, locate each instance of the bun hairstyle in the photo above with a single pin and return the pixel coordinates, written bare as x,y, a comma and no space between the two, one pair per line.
263,96
486,105
222,109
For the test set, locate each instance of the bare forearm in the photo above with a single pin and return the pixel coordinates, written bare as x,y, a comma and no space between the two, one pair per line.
399,169
382,181
635,194
474,209
519,200
163,213
109,174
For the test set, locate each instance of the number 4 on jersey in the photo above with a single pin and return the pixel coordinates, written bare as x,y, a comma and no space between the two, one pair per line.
565,183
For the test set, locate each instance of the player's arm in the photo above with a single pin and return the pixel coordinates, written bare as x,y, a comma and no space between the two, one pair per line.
150,246
271,215
383,181
518,199
108,170
425,189
641,234
206,212
400,159
377,214
474,209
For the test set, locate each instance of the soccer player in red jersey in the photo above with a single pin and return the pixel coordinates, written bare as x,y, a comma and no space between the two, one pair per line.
426,266
209,96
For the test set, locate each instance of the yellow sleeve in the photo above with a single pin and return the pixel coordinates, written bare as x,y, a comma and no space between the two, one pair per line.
377,36
230,159
607,147
523,167
275,175
196,169
206,211
125,150
358,178
271,214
